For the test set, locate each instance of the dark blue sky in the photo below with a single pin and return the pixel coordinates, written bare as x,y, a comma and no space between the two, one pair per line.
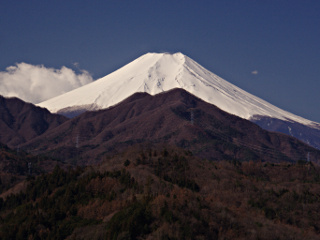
279,39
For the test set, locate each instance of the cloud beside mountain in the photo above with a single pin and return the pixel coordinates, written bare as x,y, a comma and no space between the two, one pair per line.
37,83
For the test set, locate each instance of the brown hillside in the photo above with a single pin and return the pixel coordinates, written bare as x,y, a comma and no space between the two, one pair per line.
166,193
174,118
21,121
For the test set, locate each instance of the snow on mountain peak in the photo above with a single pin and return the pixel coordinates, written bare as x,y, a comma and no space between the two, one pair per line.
154,73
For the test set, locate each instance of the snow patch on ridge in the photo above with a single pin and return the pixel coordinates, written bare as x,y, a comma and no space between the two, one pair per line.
77,110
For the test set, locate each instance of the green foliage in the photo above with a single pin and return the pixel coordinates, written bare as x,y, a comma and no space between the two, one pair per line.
302,162
174,169
133,222
269,213
51,202
167,214
126,163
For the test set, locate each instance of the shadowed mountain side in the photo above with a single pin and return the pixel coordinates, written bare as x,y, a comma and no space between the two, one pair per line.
305,133
174,117
21,121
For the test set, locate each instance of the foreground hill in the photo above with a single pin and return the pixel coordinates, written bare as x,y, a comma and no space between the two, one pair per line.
176,118
17,165
166,193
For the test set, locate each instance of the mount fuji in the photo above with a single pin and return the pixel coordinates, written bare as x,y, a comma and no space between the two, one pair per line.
155,73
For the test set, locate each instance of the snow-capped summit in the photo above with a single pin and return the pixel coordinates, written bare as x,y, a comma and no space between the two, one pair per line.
158,72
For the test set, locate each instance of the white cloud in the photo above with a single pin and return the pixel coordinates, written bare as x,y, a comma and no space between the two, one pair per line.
36,83
255,72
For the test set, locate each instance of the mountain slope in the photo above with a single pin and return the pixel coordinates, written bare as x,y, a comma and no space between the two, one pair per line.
21,121
154,73
176,118
303,132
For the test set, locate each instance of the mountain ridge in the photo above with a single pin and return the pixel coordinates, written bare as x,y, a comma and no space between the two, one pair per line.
175,118
159,72
21,121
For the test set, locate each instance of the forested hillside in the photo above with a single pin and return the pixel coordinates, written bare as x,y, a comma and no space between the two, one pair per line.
167,193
